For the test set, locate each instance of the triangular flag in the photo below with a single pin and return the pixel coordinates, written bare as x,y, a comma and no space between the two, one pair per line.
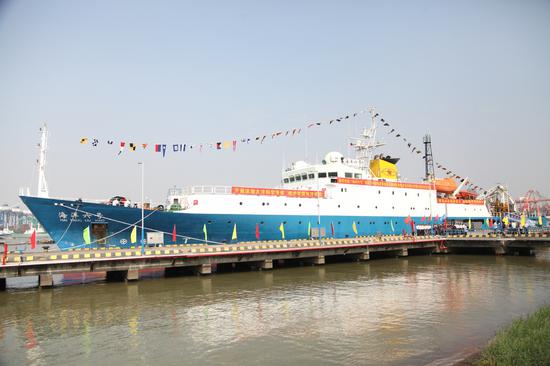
423,219
309,229
33,239
408,219
540,220
133,235
391,225
234,236
469,224
282,230
354,227
205,233
257,232
332,228
86,235
174,234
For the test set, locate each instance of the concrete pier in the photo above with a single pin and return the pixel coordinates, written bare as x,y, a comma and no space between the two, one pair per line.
266,264
318,260
204,269
125,264
45,280
403,252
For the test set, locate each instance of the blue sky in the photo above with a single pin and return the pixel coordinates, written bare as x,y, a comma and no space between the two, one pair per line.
474,74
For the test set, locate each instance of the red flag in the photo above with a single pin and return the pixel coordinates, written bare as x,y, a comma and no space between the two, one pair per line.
257,232
490,222
412,226
437,217
423,218
174,233
408,219
332,228
445,223
33,239
5,256
430,219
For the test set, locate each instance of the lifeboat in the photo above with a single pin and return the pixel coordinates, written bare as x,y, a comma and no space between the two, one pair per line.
445,185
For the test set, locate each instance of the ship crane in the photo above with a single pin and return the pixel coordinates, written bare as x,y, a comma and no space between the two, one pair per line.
459,187
534,202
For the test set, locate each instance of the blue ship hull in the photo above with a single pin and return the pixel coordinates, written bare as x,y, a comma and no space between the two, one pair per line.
65,221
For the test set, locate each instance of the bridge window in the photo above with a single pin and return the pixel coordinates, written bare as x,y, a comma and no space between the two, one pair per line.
348,175
304,176
291,179
285,180
358,175
311,176
332,174
323,175
298,178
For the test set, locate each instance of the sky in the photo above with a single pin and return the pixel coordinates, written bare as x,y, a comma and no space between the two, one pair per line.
473,74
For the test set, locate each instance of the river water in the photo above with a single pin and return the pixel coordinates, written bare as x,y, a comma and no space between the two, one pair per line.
420,310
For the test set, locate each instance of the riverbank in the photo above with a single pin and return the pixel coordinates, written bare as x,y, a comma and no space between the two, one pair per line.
524,342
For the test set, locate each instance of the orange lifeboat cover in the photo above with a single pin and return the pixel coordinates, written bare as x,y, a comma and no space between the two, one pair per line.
445,185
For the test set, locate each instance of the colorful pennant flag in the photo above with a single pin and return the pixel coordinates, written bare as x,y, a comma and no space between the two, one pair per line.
33,239
309,229
354,227
86,235
205,232
332,228
282,230
174,236
257,232
133,235
234,235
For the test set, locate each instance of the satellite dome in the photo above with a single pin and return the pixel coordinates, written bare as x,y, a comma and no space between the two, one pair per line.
334,157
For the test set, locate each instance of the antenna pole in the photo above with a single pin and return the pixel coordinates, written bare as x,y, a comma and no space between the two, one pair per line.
43,145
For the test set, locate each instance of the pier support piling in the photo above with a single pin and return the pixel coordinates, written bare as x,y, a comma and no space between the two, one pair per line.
2,284
403,252
365,256
266,264
45,280
132,275
319,260
204,269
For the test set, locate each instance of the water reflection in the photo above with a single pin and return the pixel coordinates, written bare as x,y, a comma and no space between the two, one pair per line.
388,311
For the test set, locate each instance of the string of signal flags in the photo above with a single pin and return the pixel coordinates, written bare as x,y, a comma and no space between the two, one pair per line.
229,144
414,149
232,144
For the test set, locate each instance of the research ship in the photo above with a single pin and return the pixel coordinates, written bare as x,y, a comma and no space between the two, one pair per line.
338,197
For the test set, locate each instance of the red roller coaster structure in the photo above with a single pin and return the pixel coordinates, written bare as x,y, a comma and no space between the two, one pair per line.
534,204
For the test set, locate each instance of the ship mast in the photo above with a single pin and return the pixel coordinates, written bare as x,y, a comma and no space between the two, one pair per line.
366,144
43,145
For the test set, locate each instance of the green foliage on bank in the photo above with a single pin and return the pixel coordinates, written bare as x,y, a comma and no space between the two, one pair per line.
525,342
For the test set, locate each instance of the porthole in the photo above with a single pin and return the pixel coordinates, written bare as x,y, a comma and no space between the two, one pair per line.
209,221
358,206
338,206
261,222
405,193
229,222
240,203
392,192
339,222
379,192
376,207
263,203
299,205
393,207
285,203
299,223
